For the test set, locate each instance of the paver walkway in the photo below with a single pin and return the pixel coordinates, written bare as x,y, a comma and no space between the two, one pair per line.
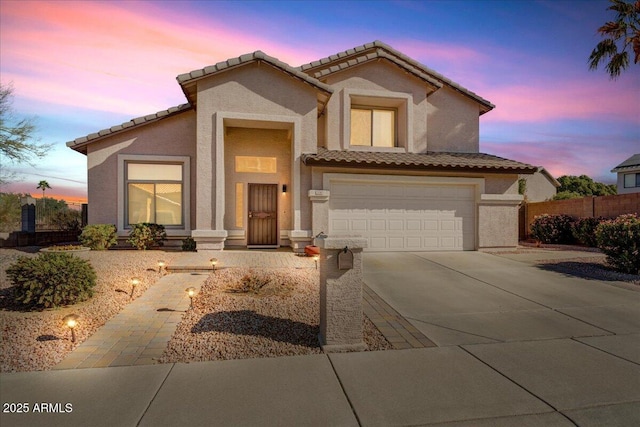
140,332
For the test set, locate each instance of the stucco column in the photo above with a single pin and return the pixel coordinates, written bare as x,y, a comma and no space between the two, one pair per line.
498,220
341,293
319,211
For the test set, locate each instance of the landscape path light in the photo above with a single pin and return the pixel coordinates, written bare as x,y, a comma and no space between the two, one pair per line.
71,320
161,265
191,291
316,258
214,262
134,282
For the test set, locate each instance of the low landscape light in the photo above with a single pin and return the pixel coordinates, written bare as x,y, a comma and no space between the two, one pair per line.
161,265
214,262
191,292
71,320
134,282
316,258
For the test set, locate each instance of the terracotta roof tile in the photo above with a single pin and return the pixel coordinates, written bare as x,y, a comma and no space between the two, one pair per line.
423,161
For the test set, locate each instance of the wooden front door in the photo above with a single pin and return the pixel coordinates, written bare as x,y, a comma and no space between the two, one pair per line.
263,216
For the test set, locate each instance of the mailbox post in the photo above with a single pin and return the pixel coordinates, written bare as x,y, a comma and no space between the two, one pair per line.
341,293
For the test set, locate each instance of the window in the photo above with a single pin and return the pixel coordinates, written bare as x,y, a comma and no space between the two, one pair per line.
632,180
154,193
373,127
256,164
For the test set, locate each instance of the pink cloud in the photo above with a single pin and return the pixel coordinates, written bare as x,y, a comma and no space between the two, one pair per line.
60,53
558,100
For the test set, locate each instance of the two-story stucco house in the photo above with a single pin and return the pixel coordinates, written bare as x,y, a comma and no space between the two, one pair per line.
365,142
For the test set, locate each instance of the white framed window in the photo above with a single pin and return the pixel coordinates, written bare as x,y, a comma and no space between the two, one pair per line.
377,121
154,194
154,189
373,127
632,180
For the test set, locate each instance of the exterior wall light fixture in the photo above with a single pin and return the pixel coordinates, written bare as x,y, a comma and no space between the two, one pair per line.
284,188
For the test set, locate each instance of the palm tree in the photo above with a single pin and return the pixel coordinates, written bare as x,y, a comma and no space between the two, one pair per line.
623,32
43,185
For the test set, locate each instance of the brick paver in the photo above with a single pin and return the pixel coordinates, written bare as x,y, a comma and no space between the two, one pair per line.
395,328
140,332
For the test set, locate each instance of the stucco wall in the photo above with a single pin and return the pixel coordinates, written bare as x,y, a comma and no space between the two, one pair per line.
261,143
172,136
501,184
379,76
539,188
454,123
620,183
264,93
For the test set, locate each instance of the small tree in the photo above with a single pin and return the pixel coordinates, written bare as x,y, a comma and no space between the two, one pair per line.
17,143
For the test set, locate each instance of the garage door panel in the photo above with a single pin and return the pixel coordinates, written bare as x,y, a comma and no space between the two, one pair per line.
394,217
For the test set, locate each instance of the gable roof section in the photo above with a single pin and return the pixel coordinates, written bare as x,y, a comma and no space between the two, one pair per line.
430,161
632,162
377,49
188,80
80,144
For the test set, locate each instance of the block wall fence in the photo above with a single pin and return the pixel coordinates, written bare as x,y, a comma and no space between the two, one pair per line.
586,207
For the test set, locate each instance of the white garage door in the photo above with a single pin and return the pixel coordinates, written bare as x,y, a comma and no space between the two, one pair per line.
404,216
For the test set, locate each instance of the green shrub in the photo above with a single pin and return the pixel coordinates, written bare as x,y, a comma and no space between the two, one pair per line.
552,229
99,237
51,280
619,239
147,235
584,230
67,219
189,245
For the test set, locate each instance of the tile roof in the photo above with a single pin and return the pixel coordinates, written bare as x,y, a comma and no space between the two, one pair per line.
632,162
79,144
325,66
187,79
431,161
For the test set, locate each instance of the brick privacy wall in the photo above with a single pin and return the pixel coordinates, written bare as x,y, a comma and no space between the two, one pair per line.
586,207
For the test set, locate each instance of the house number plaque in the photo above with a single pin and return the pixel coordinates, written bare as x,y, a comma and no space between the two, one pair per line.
345,259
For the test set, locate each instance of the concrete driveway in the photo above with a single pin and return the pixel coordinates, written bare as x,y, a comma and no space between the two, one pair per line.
460,298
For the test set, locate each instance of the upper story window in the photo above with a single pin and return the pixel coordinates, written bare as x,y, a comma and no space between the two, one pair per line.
154,193
373,127
631,180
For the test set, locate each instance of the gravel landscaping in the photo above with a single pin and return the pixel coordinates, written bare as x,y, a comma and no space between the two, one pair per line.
246,313
38,340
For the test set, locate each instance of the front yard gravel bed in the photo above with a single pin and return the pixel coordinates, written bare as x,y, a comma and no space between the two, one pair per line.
281,319
38,340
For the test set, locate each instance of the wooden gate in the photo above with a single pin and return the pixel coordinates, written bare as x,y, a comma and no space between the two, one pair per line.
263,216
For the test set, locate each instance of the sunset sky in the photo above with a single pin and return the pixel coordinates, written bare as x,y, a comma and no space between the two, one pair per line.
80,67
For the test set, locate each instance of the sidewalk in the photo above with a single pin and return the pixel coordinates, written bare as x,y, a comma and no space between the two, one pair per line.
539,383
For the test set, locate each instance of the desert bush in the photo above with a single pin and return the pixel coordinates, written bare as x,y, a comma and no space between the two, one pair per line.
189,245
51,280
99,237
146,235
67,219
584,230
619,239
552,228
